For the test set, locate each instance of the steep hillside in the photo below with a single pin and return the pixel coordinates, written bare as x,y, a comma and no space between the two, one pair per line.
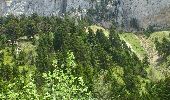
134,43
54,58
145,46
141,45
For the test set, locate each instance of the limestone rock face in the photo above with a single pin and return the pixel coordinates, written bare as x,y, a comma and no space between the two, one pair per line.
2,6
146,12
41,7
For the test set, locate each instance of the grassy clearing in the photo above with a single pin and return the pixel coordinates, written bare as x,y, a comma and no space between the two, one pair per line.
154,74
135,43
160,72
160,35
129,38
95,28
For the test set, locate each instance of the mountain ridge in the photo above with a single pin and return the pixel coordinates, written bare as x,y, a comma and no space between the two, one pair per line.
145,12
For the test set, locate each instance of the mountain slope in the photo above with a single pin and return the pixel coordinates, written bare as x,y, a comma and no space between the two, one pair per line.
143,47
158,68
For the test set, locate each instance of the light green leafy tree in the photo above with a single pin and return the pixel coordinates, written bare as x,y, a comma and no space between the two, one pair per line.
58,85
62,85
27,92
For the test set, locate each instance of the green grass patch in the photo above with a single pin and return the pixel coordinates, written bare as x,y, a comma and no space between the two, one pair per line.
128,37
159,35
135,43
154,74
95,28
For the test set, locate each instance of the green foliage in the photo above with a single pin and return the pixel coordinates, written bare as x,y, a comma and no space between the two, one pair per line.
45,52
134,23
149,30
135,44
7,65
53,58
15,90
161,90
30,28
59,84
164,47
63,85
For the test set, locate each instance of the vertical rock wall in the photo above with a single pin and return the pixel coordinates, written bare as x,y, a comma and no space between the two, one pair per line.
42,7
2,7
146,12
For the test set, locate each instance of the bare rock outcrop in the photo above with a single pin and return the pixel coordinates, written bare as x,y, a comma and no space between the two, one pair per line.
146,12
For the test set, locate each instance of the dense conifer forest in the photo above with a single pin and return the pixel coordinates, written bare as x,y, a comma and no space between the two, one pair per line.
51,58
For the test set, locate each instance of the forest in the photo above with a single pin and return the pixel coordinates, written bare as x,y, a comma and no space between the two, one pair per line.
52,58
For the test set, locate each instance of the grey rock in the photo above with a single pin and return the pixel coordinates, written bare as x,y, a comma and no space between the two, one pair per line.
147,12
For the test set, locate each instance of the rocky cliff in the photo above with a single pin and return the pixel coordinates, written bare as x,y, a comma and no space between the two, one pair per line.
145,12
42,7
